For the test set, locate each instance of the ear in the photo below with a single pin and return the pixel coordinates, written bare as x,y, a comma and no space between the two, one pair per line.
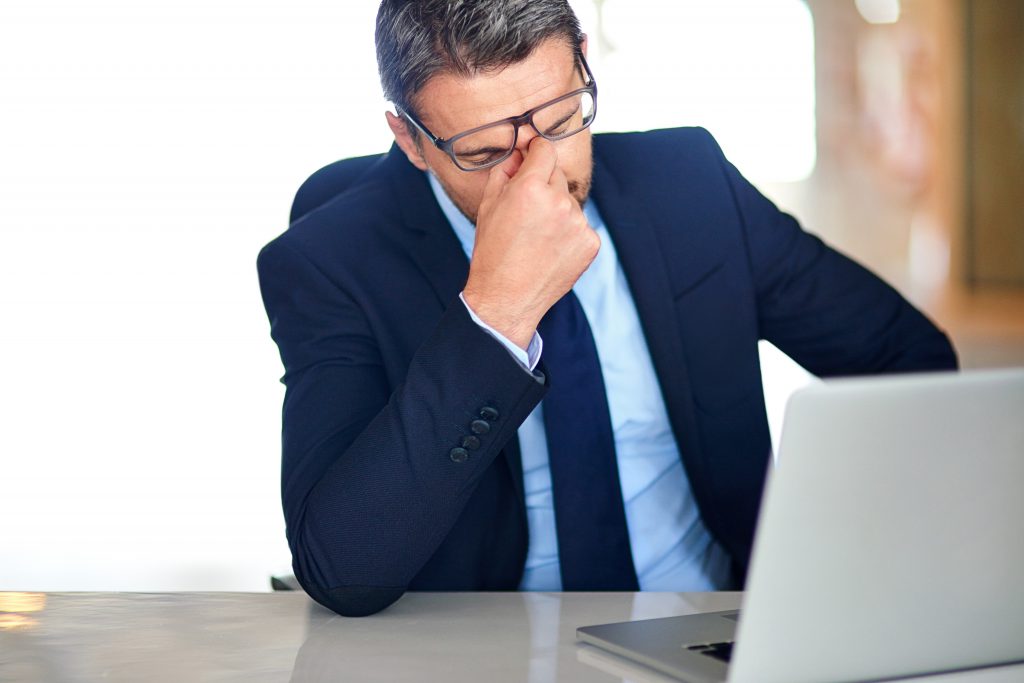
583,45
405,140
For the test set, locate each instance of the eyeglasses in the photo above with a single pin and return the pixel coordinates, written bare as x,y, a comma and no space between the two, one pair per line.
492,143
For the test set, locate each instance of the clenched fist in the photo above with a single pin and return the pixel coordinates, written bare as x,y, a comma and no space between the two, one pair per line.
532,243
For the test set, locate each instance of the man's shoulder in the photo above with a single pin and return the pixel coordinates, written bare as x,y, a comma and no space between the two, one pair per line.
664,155
682,164
356,219
664,142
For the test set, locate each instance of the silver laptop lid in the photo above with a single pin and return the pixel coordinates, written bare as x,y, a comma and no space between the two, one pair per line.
916,561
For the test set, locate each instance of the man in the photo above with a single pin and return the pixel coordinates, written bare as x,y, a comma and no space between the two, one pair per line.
424,313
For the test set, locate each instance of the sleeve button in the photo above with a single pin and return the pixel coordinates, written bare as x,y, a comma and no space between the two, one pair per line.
470,442
458,455
479,427
488,413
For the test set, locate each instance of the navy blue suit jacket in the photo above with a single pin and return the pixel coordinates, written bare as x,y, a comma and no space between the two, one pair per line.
385,370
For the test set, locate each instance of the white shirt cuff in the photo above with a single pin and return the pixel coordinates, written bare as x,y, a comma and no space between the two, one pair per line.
528,358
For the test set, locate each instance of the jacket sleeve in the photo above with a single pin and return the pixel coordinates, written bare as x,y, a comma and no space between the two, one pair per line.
369,484
831,315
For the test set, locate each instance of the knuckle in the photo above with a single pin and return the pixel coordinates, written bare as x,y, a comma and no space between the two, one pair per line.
533,187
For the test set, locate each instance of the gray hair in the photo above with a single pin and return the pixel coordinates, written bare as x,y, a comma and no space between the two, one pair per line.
417,39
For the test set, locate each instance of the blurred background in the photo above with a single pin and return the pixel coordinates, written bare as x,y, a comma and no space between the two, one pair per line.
148,149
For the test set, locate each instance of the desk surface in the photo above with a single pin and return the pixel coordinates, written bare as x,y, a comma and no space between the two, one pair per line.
452,637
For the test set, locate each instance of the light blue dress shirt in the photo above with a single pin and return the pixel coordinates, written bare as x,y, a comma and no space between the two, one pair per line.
672,550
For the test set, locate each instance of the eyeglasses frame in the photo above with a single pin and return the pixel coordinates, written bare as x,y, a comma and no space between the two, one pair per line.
447,146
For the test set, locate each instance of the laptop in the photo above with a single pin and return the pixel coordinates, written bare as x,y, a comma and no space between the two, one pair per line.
890,542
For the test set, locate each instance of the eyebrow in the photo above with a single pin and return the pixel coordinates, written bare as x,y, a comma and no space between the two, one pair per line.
578,69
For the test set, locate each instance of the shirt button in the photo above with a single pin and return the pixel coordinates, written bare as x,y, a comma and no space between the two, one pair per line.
488,413
470,442
458,454
479,427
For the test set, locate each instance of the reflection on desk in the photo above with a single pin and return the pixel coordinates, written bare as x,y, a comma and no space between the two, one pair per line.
492,637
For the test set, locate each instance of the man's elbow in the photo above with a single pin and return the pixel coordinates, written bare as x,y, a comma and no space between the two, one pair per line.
948,355
934,353
354,601
942,355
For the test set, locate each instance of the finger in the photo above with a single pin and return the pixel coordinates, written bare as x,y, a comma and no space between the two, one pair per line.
541,160
497,179
511,165
559,181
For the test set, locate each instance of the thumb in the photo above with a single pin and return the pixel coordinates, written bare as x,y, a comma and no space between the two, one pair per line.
497,179
499,176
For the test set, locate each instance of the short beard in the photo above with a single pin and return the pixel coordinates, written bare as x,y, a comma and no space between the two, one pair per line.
580,189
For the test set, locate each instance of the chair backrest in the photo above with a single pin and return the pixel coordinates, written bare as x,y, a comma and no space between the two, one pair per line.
329,182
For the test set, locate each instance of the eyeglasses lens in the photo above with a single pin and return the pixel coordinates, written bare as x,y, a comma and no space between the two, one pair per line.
558,120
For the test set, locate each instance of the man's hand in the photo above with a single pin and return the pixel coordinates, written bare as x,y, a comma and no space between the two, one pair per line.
532,244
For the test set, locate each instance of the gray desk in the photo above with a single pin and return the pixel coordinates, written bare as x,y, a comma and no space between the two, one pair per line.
452,637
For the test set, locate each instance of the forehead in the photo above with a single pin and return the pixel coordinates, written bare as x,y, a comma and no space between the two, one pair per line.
449,103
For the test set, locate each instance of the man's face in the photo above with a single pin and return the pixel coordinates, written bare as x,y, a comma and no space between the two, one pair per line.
450,104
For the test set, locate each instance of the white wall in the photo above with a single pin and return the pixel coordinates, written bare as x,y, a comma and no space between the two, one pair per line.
148,149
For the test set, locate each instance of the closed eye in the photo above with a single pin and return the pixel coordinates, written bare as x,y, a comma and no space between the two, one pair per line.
482,151
554,128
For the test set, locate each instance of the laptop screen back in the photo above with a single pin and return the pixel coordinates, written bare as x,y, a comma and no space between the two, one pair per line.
891,536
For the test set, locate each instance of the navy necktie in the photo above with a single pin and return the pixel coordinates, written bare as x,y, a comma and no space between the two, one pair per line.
593,539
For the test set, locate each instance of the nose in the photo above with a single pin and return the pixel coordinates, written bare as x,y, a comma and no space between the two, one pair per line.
524,136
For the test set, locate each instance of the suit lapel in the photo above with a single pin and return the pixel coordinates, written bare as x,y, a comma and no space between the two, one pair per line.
439,256
431,242
643,261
